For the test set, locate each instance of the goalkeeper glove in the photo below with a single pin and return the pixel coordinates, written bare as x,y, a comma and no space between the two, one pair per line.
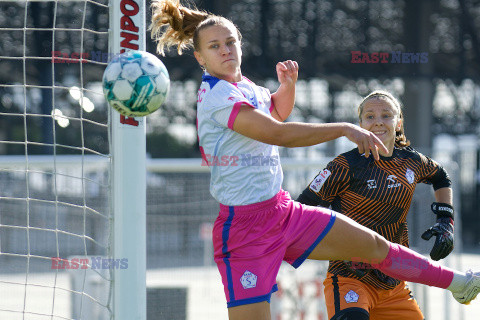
442,230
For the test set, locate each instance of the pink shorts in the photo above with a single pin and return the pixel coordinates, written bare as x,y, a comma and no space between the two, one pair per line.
251,241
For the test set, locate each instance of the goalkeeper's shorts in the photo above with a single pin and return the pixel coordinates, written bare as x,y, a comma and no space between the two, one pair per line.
250,242
343,295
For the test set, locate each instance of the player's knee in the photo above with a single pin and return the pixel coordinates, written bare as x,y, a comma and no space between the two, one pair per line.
352,315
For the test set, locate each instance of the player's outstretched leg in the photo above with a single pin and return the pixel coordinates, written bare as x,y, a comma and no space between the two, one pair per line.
348,240
406,264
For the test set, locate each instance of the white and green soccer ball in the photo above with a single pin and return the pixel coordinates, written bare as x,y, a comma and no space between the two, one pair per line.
136,83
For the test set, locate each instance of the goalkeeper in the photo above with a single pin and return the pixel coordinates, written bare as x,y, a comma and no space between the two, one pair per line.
377,194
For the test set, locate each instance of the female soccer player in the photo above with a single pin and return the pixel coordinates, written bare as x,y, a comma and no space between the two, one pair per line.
240,126
377,194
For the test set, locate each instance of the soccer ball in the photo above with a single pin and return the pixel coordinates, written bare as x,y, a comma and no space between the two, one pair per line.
136,83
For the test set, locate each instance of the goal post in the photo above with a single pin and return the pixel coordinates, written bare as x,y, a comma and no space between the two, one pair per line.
127,32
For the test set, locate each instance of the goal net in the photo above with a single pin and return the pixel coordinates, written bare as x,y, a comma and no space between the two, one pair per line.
57,257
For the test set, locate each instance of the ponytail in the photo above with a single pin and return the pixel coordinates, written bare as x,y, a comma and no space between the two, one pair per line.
176,25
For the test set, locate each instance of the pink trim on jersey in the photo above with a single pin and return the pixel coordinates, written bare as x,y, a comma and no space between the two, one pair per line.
245,78
204,157
272,106
235,111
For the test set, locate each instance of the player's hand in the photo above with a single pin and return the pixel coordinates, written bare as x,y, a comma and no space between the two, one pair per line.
442,230
366,141
287,72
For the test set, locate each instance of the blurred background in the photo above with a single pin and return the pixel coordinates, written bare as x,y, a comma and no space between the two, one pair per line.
441,96
56,107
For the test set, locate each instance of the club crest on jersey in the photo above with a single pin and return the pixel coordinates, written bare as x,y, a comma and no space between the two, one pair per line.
319,180
392,181
371,184
351,297
410,175
248,280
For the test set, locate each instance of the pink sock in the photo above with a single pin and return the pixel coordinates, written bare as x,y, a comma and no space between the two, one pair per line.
405,264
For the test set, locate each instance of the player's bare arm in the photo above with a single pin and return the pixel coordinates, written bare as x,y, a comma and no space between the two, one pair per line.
259,126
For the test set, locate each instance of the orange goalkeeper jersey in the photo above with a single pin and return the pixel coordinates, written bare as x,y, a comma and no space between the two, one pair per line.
376,194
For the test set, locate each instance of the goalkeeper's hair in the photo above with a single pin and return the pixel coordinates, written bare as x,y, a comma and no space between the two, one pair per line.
401,140
174,24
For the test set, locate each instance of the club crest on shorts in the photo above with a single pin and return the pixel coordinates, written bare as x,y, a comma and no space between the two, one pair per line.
410,175
248,280
319,180
351,296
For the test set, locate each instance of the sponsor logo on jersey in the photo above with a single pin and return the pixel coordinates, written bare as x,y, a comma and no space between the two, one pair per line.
392,181
201,94
253,101
319,180
371,184
410,175
248,280
351,297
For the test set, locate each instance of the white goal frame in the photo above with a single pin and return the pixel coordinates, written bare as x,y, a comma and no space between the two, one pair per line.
128,139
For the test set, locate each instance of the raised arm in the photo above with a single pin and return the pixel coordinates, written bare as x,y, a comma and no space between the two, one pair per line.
284,98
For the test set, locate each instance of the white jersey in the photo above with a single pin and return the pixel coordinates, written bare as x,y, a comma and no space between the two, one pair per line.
243,170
